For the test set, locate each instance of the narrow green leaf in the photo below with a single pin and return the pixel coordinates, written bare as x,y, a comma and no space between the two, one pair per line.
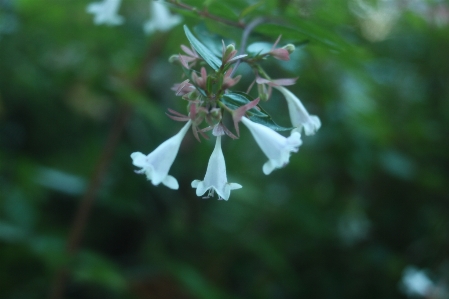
234,100
269,122
202,50
237,99
250,9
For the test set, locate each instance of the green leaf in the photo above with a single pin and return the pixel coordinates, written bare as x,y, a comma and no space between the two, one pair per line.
237,99
250,9
234,100
269,122
211,40
202,50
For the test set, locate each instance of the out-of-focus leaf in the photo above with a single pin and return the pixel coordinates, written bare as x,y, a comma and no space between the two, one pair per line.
202,50
250,9
11,233
297,29
198,285
60,181
94,268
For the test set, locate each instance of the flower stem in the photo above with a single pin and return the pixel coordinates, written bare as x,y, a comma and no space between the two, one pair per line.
248,29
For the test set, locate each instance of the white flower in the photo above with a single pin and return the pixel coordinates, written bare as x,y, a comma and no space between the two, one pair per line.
275,146
106,12
215,179
161,19
298,113
157,164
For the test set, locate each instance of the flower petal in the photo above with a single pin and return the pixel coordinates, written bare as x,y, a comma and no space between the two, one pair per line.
139,159
298,113
171,182
215,179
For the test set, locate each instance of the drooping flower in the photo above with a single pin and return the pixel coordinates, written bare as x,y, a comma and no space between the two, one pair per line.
298,114
160,18
215,179
106,12
157,164
275,146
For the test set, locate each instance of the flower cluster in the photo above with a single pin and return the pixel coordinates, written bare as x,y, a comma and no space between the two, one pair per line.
106,12
207,92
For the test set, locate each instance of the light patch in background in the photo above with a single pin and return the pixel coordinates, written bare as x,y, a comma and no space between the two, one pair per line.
353,225
398,164
356,98
415,282
376,21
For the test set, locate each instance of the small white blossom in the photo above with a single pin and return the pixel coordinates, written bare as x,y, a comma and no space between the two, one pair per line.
106,12
215,179
275,146
161,19
298,113
157,164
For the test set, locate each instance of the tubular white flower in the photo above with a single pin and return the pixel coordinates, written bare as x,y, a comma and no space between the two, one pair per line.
298,113
275,146
215,179
160,18
157,164
106,12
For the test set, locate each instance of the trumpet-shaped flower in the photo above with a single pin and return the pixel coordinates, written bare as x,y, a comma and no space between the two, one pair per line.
106,12
160,19
215,179
275,146
298,114
157,164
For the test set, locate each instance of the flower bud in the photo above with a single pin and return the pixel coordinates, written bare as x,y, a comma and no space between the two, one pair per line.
173,59
290,48
216,114
229,49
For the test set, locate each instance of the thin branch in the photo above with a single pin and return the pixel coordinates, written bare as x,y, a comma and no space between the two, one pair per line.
206,14
248,29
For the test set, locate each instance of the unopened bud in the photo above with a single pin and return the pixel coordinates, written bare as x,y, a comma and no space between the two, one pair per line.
290,48
263,92
173,59
229,49
216,114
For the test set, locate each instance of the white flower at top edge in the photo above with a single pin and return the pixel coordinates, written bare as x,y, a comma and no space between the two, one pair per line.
161,19
215,179
298,113
157,164
106,12
275,146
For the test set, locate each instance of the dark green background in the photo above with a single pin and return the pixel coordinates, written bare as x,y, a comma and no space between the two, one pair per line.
363,199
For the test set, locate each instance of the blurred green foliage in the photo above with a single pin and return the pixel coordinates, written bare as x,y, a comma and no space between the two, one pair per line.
364,198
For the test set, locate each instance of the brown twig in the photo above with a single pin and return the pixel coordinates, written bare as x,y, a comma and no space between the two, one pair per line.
80,221
206,14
